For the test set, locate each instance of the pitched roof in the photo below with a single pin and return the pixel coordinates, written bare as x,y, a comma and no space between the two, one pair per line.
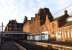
68,23
65,16
20,25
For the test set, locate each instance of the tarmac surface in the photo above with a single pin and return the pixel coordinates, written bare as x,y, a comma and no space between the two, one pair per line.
9,45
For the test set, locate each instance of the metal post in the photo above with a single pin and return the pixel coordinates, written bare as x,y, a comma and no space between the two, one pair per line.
2,35
2,26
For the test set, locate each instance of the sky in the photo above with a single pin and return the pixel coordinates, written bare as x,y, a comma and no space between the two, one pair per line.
17,9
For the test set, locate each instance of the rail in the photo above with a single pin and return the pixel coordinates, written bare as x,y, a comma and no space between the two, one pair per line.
49,44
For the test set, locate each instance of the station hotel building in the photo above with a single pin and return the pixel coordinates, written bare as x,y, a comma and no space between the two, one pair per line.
59,28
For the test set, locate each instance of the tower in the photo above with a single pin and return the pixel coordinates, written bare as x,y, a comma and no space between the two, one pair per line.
43,12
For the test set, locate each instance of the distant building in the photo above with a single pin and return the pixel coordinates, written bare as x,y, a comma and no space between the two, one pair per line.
58,28
13,26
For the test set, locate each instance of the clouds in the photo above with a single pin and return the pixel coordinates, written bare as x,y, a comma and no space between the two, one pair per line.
61,6
17,9
7,10
30,7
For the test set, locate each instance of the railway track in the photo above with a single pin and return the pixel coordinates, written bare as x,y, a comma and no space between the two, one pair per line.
30,46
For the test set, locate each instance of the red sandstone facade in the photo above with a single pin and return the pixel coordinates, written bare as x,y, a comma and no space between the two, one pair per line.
56,28
62,32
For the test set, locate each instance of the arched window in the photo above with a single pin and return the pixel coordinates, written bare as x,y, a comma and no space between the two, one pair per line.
42,20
